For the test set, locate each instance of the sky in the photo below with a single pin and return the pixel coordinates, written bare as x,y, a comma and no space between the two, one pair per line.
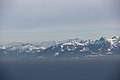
44,20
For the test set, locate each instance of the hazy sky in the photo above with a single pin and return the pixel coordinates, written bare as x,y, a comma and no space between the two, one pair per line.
43,20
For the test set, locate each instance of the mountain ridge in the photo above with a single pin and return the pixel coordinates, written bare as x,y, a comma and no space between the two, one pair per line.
69,48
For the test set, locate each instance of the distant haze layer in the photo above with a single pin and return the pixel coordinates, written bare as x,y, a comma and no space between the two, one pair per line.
43,20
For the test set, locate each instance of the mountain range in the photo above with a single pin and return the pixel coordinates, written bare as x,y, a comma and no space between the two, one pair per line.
68,48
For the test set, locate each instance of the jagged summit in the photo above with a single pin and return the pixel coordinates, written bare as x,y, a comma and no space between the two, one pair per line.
115,37
103,39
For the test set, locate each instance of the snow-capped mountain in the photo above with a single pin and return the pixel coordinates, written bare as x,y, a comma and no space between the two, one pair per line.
68,48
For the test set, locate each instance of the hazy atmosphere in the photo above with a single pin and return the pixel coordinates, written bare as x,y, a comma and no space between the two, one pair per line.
59,39
43,20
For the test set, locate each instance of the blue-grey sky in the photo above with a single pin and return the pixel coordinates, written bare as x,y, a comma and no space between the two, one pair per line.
43,20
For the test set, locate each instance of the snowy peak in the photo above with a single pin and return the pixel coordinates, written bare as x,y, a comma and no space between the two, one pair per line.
103,39
115,37
73,43
114,41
